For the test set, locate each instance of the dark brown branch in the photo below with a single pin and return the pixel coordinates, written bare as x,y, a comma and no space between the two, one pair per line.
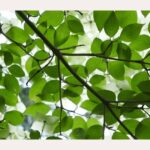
130,101
60,97
106,57
104,124
61,58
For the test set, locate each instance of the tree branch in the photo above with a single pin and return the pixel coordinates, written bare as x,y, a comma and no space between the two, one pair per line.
61,58
60,97
106,57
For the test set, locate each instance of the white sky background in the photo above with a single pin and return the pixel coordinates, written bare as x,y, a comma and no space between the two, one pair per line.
9,17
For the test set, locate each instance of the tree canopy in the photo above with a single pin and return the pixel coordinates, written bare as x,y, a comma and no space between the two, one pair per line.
75,75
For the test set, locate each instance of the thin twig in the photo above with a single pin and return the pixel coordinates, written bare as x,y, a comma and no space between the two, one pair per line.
60,97
41,69
103,136
105,57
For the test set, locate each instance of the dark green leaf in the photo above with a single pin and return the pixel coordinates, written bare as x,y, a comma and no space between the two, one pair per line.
141,43
137,78
123,51
38,108
34,134
96,45
130,32
119,136
144,86
111,25
4,130
8,58
51,87
11,83
17,34
14,117
53,18
100,18
143,129
16,71
116,69
126,17
94,132
10,98
62,34
75,25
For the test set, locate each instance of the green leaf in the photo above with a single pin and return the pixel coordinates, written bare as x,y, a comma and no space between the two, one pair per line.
51,86
116,69
96,79
94,132
11,83
100,18
66,124
130,32
53,138
36,90
78,122
4,130
130,124
8,58
92,122
57,111
50,32
28,29
17,34
10,98
14,117
136,113
16,50
123,51
33,13
125,95
126,17
53,18
88,105
144,86
75,25
143,129
95,63
37,108
2,103
141,43
145,12
35,134
137,78
119,136
78,133
134,56
52,71
109,95
41,55
96,45
72,41
107,47
16,71
111,25
110,119
62,34
149,27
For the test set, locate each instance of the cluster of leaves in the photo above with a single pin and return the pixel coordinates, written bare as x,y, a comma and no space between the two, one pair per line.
122,59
